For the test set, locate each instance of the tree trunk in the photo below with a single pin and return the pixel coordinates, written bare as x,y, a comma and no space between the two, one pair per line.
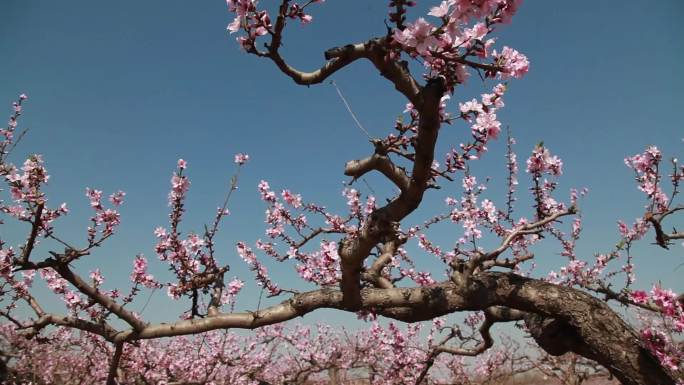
334,374
567,319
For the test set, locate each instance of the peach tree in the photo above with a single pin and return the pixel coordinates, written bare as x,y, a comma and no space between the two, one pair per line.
357,259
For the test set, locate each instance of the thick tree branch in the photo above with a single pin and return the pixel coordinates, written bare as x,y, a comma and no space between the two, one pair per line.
381,163
102,329
384,221
348,55
605,336
337,58
373,274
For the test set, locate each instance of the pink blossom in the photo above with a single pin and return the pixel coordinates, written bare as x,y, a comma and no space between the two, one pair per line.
513,62
241,158
370,205
72,299
95,197
490,210
139,274
266,194
541,161
471,106
179,186
235,25
117,198
417,36
234,287
97,277
353,200
294,200
478,32
639,296
54,282
487,124
109,218
306,19
665,299
160,232
261,272
441,10
648,176
469,183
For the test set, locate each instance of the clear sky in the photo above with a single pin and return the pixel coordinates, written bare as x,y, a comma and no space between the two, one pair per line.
120,90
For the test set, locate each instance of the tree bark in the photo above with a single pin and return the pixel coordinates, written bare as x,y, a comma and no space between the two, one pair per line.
568,319
565,319
334,374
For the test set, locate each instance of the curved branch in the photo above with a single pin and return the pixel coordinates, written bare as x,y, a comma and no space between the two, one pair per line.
339,57
383,223
347,55
662,238
493,315
530,228
104,330
605,336
381,163
373,274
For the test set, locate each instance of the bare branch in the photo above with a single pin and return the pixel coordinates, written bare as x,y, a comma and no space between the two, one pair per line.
381,163
103,329
373,274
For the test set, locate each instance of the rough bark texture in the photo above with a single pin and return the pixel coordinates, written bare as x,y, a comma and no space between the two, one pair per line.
571,320
561,319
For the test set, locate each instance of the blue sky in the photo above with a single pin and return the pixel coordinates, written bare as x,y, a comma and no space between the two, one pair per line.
120,90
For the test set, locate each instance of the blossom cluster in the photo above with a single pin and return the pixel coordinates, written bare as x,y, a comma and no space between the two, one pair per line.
321,266
659,333
25,190
261,271
443,47
255,22
106,219
7,134
541,163
191,257
646,166
470,213
59,286
140,275
274,354
485,125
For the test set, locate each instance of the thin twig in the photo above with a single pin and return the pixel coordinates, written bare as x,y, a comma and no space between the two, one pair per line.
346,104
154,289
